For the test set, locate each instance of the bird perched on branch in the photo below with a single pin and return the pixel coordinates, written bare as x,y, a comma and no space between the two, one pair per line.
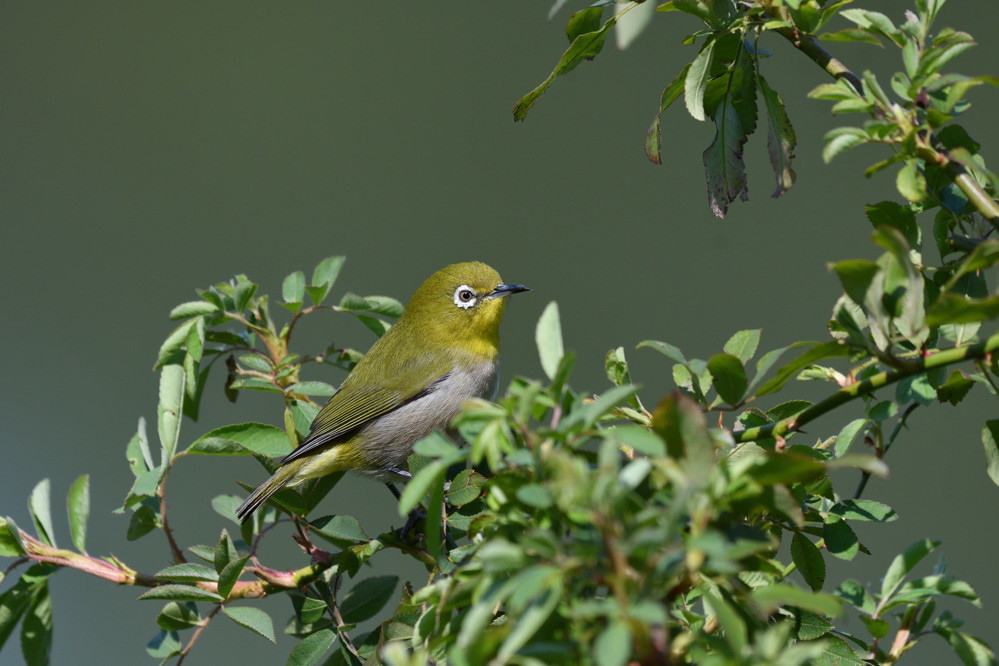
443,350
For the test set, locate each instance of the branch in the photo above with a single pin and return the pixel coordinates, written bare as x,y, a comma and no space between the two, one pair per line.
935,152
861,388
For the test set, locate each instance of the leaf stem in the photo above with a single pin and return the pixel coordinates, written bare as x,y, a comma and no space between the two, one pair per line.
857,389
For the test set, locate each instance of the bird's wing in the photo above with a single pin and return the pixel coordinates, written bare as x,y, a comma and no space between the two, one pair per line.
353,406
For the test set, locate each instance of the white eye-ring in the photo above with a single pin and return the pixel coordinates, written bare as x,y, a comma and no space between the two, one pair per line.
464,297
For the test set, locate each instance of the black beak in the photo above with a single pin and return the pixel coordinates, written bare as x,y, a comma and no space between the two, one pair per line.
502,290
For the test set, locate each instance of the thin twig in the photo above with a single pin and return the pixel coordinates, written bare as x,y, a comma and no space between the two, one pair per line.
197,632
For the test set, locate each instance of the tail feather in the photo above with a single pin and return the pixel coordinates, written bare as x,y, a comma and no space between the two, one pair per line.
265,490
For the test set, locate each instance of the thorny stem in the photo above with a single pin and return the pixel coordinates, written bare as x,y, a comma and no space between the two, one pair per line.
178,554
197,632
857,389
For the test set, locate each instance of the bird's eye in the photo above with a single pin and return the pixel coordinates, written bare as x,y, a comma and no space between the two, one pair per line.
464,297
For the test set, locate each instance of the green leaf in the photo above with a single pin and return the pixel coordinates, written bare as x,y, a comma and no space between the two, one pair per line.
312,388
780,139
230,574
911,182
613,645
954,390
931,586
809,626
903,564
312,648
244,292
734,116
293,290
990,438
225,552
78,509
169,409
841,139
856,276
664,348
419,486
771,596
164,645
808,560
36,631
176,616
817,353
530,621
585,46
729,377
192,309
143,521
846,436
340,529
696,82
178,592
137,452
174,341
953,309
259,438
878,628
743,344
970,650
534,495
840,539
548,336
875,23
188,572
864,510
850,35
41,514
653,138
837,652
253,619
10,540
367,598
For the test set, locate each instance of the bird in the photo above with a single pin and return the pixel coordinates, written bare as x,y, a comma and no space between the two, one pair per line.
442,351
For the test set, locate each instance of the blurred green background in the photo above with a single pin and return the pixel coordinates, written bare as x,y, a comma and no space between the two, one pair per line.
149,149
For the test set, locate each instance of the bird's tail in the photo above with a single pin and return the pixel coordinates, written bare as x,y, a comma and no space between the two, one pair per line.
266,489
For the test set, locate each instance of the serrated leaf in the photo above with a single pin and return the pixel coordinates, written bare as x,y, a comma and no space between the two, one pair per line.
230,574
990,439
743,344
780,139
311,649
41,513
735,119
188,572
293,288
817,353
177,616
178,592
696,81
340,528
808,560
260,438
729,377
253,619
36,629
548,336
840,539
585,46
846,436
192,309
78,509
365,599
653,138
904,563
864,510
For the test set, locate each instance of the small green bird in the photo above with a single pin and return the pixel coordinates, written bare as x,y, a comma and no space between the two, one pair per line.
442,351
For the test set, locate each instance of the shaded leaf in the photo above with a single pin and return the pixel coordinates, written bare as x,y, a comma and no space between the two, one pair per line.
178,592
78,509
780,138
367,598
808,561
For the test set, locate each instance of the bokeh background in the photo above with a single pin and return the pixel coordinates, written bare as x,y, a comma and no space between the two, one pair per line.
148,149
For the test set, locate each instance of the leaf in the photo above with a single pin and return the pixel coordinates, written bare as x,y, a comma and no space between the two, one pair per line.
911,182
840,140
838,652
953,309
142,522
729,377
840,539
192,309
878,628
653,138
78,509
970,650
584,46
771,596
177,617
36,630
856,276
696,81
168,411
323,277
613,645
534,495
164,645
743,344
311,649
808,560
41,513
548,336
864,510
341,528
990,439
188,572
367,598
818,352
735,119
846,436
903,564
293,290
178,592
780,138
253,619
230,574
259,438
10,540
174,341
530,621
